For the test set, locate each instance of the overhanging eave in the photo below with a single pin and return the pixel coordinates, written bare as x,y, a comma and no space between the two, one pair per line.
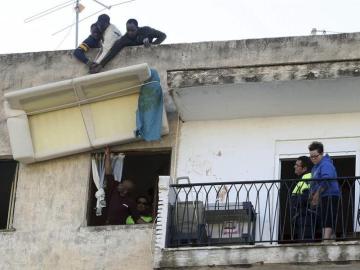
268,99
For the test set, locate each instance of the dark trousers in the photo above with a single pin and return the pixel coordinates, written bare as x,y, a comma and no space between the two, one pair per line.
306,225
305,221
329,211
121,43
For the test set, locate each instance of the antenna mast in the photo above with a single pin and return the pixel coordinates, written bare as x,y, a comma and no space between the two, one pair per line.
77,11
78,8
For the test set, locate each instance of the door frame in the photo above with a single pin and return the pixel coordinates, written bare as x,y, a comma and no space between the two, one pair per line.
344,146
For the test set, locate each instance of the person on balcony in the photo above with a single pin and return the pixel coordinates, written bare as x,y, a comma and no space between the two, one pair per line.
301,217
103,35
325,189
121,204
142,205
134,36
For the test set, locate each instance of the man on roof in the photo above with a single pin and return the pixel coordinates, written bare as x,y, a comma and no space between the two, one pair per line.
134,36
103,35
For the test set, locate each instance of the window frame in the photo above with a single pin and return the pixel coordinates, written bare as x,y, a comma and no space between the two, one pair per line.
13,189
126,151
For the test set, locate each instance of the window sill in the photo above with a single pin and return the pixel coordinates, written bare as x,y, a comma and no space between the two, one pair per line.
7,230
116,227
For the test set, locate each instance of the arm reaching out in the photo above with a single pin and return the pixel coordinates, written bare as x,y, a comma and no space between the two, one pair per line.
152,36
108,169
160,36
80,52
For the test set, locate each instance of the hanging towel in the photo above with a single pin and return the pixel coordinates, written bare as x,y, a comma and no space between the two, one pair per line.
98,172
117,164
150,109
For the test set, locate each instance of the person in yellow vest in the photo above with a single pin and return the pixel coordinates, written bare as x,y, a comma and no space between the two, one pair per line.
301,217
142,205
302,170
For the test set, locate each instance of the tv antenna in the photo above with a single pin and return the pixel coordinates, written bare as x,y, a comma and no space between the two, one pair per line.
78,8
315,31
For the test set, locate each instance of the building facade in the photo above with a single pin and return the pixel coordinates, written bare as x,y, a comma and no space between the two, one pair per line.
236,110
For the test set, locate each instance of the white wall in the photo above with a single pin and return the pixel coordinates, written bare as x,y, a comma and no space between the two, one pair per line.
245,149
249,149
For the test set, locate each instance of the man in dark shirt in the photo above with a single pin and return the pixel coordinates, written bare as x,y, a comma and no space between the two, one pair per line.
134,36
94,40
103,36
121,204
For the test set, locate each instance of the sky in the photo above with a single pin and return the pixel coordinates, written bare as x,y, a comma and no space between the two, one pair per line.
183,21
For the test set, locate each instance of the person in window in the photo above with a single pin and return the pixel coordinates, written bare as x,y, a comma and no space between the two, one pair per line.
121,204
142,205
325,189
134,36
103,35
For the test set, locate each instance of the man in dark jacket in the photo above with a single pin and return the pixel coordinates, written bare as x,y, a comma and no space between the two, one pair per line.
103,35
134,36
121,205
301,217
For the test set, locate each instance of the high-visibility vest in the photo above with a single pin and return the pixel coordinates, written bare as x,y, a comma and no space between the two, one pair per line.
302,185
130,220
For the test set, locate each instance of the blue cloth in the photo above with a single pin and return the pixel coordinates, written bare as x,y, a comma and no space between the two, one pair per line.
325,170
150,109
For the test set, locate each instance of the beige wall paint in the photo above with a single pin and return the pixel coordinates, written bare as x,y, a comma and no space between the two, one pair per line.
115,247
50,223
51,198
52,194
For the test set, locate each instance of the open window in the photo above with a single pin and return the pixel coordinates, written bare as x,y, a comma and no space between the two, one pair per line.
8,176
345,167
143,168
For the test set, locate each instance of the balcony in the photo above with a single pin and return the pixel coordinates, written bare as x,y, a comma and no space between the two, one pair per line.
253,222
252,212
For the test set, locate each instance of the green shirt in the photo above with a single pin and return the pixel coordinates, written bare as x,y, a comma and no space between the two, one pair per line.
302,185
130,220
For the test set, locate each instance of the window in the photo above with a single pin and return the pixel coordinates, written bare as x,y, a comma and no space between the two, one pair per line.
8,171
143,168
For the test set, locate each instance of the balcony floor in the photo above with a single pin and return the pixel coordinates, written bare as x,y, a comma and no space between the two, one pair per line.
343,255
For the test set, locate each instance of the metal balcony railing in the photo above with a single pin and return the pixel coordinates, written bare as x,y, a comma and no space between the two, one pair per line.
250,212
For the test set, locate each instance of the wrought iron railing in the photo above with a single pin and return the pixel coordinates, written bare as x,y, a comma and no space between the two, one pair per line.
250,212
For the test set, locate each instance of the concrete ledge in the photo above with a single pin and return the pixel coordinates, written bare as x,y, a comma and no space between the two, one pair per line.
92,248
270,73
259,255
311,266
116,227
11,230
